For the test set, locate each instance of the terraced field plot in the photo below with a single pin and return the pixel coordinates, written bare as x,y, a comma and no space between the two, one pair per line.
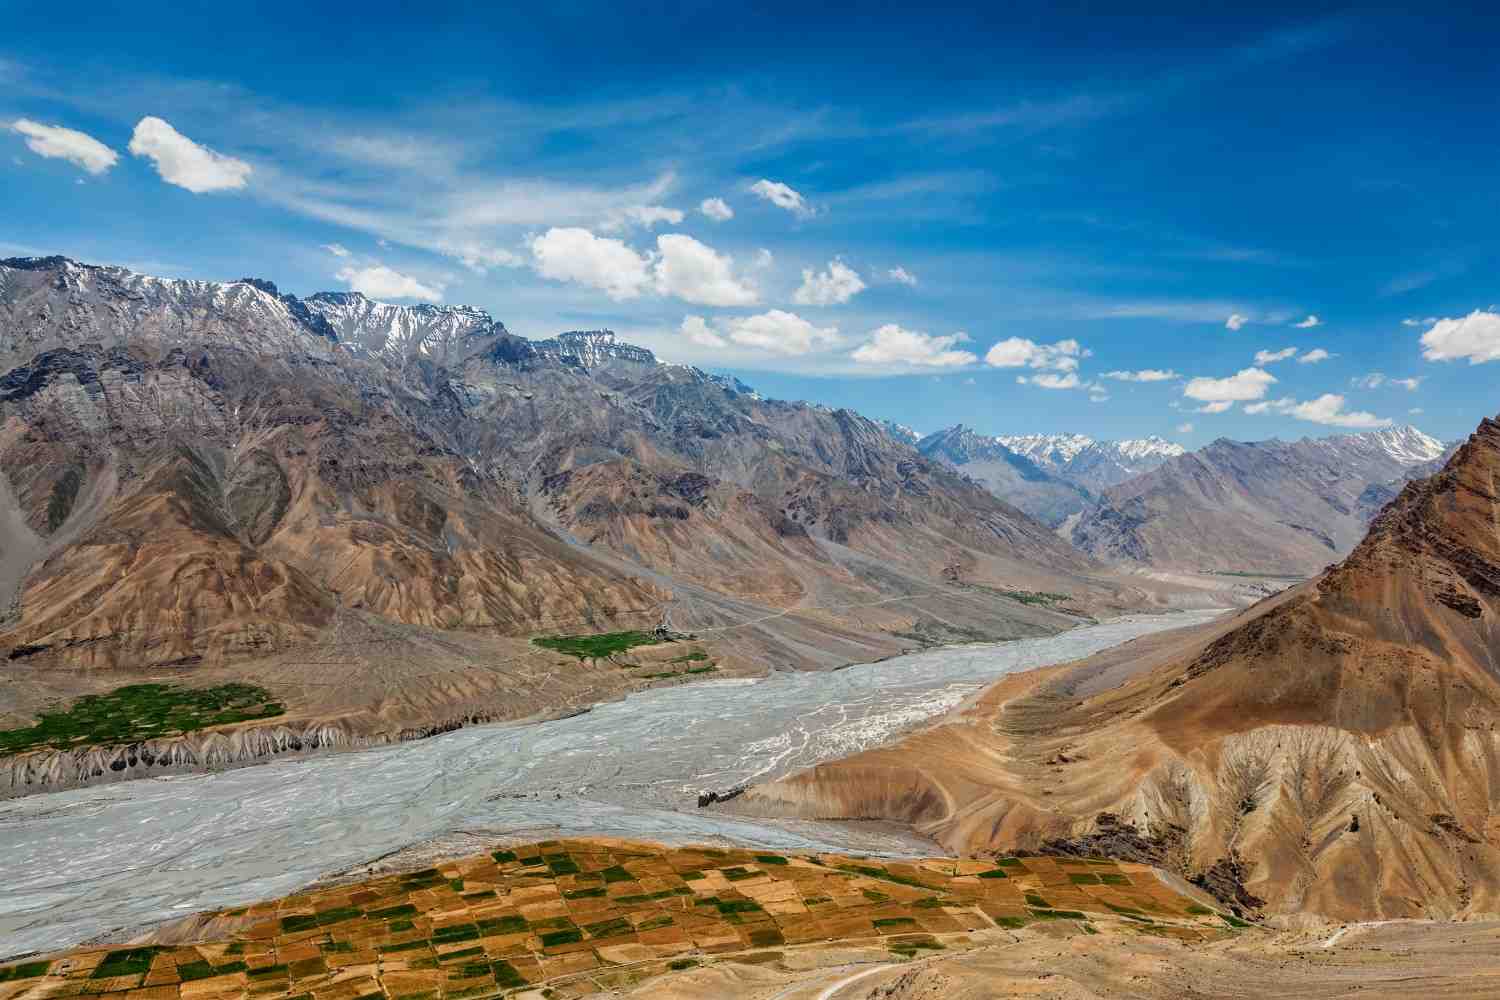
579,916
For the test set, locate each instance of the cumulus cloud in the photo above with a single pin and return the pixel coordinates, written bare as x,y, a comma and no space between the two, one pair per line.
1269,357
1050,380
903,276
183,162
1019,352
1235,321
782,196
697,273
57,143
835,286
696,329
1326,409
1376,380
680,267
716,208
1219,394
1144,375
381,282
1475,337
1307,324
574,254
337,249
781,332
763,259
1313,356
895,346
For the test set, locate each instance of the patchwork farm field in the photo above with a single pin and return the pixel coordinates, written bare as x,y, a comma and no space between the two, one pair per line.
578,916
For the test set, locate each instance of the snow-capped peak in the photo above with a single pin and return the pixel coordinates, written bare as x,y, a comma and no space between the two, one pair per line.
1055,449
1407,444
1136,449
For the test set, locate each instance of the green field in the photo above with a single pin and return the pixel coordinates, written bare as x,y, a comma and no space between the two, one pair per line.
141,712
594,647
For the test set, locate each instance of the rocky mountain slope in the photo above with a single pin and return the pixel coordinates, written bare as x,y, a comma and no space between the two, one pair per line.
1047,496
217,480
1330,751
1260,507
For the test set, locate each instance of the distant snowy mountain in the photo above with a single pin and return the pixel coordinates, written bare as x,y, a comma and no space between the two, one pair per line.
1263,506
1090,463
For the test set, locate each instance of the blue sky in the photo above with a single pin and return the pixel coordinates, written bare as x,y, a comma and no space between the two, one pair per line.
933,216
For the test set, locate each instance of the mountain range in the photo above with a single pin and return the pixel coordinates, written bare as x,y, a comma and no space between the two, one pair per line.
221,479
1049,476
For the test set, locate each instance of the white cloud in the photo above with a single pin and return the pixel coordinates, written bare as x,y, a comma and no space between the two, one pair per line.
337,249
716,208
1269,357
1049,380
779,331
1475,337
57,143
763,259
835,286
1313,356
696,329
782,196
183,162
381,282
902,275
1416,411
1219,394
1307,324
1097,393
1018,352
1144,375
1235,321
680,267
1376,380
1326,409
1413,321
574,254
893,345
1186,428
697,273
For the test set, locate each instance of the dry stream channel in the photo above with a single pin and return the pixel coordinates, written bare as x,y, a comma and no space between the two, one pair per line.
76,864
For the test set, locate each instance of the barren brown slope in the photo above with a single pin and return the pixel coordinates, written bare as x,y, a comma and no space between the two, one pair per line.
1334,748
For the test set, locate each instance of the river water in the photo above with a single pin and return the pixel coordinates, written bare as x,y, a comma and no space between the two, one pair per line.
78,863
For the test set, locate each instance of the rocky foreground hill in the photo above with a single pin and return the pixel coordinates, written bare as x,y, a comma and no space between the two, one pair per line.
1331,751
369,508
